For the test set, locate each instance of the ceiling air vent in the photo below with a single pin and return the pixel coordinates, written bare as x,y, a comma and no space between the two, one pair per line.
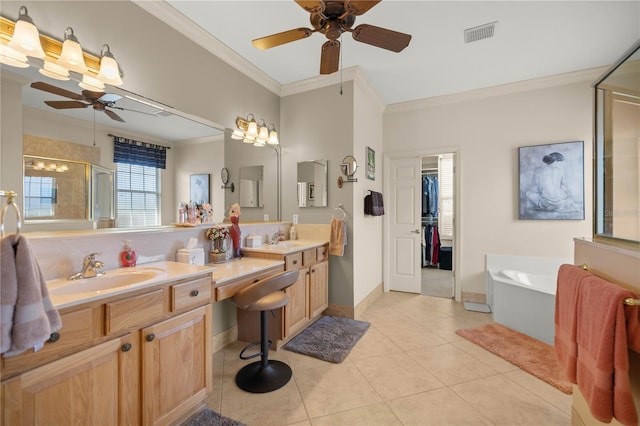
480,32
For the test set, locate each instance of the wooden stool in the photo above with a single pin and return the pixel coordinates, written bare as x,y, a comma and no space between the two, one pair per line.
265,295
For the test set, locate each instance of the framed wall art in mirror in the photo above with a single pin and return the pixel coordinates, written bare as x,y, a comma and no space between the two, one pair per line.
199,188
551,181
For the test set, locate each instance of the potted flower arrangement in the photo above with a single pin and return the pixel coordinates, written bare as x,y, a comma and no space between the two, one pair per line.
217,235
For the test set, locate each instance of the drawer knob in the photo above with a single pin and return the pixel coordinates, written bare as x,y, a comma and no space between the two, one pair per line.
54,337
126,347
295,262
150,337
194,293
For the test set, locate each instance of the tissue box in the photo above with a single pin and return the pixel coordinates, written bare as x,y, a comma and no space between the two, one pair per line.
194,256
253,240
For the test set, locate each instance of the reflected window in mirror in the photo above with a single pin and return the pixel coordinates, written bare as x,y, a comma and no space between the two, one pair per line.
54,189
312,183
252,186
138,189
617,149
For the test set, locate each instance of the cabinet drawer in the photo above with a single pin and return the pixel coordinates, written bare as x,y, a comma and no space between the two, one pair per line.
79,328
191,294
293,261
228,289
321,253
309,257
134,311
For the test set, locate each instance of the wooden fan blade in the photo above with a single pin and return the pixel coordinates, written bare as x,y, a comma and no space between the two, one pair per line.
311,6
89,94
281,38
66,104
381,37
330,59
55,90
357,7
113,115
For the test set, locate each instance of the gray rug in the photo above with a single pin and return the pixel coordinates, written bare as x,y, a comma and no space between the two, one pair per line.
329,339
208,417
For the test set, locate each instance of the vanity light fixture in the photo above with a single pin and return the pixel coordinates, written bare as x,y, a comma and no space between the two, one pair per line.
10,57
109,69
53,70
71,56
249,131
26,38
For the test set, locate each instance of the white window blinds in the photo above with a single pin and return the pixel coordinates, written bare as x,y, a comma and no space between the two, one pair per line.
445,179
138,195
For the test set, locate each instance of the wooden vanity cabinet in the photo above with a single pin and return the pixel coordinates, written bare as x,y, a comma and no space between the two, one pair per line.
309,297
138,358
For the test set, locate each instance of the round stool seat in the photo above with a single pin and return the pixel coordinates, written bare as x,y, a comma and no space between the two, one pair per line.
274,300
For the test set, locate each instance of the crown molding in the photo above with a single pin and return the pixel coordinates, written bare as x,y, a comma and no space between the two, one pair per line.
170,16
505,89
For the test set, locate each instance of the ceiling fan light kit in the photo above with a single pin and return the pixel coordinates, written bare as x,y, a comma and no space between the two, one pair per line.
250,132
21,39
333,18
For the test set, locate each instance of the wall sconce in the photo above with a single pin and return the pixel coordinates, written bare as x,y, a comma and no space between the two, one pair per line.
260,134
348,167
224,176
21,39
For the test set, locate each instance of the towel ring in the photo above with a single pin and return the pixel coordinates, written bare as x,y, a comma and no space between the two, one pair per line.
10,202
339,209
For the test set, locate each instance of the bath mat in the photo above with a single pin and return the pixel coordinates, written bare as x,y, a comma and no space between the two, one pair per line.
533,356
329,339
208,417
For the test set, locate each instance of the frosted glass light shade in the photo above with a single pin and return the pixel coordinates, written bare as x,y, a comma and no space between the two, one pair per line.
55,71
109,70
273,138
237,135
26,38
91,83
10,57
252,129
71,56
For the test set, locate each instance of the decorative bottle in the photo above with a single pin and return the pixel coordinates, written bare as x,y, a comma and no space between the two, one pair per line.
128,256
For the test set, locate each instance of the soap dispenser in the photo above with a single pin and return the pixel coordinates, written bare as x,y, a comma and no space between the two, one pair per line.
293,234
128,256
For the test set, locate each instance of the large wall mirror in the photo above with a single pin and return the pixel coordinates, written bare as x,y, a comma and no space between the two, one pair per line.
617,150
312,183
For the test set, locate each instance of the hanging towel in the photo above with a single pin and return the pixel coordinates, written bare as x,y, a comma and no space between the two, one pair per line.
373,204
27,314
602,369
338,237
566,305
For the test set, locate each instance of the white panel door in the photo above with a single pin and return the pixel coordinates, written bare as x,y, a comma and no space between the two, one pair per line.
404,231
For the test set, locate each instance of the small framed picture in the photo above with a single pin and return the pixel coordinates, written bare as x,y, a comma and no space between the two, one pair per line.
371,164
199,188
312,192
551,181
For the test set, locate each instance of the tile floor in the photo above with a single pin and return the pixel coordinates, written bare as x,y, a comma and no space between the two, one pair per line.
410,368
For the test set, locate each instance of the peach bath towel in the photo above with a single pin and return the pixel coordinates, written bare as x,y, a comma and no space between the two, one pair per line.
27,316
338,237
564,343
603,362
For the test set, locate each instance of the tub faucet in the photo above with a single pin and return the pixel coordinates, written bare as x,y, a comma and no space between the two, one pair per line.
90,268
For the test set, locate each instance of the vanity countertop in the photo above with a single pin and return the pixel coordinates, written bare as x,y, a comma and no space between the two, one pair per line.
65,293
242,267
286,247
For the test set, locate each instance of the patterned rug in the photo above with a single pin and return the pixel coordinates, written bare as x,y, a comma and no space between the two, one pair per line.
329,339
208,417
533,356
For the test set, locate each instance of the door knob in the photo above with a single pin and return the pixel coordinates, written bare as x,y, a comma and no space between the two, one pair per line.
416,231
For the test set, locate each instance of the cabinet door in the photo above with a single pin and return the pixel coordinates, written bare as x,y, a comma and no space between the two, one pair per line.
296,312
318,288
86,388
176,366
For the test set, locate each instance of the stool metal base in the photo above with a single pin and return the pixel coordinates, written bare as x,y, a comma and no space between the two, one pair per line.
255,378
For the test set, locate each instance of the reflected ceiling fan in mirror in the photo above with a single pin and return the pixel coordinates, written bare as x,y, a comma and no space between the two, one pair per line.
332,18
100,101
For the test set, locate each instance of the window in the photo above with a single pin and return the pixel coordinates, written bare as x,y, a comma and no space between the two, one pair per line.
138,190
445,180
39,196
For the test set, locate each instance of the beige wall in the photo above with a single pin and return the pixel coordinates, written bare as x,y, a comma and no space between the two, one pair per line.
487,127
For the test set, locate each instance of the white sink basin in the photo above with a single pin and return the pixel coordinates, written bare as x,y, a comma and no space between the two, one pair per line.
110,280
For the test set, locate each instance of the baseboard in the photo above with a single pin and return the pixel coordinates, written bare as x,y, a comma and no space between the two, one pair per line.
474,297
369,300
340,311
224,338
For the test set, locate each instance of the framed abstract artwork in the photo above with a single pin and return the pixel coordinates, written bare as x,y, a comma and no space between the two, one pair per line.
199,188
551,181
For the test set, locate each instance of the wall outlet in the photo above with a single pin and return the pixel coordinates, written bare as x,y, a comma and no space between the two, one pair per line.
295,219
266,217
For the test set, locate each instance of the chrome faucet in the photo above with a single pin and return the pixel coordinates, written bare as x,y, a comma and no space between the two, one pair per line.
90,268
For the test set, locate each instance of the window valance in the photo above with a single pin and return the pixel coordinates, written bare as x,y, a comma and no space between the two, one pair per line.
139,153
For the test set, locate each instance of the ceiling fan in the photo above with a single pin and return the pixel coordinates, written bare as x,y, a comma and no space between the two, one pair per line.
332,18
100,101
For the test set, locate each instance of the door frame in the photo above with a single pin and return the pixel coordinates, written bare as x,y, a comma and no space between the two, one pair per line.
457,223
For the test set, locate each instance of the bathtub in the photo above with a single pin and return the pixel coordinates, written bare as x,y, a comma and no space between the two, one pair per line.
521,292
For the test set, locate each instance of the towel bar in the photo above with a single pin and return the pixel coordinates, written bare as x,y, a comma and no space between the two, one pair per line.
628,301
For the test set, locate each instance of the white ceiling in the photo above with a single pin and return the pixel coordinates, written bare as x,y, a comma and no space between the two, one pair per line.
532,39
